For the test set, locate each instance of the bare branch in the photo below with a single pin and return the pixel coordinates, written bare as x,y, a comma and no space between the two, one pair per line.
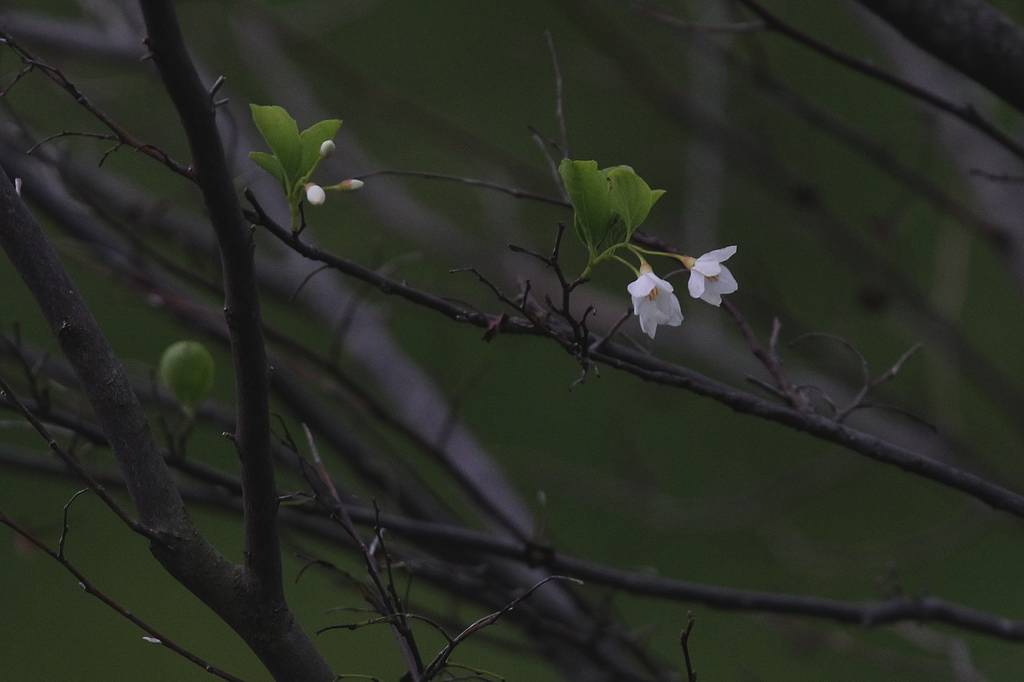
972,36
124,137
154,636
241,301
966,113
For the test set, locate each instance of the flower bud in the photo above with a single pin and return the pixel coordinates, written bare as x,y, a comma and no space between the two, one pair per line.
327,149
315,194
17,186
350,185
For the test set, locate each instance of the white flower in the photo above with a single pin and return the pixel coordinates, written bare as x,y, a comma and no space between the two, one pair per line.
654,302
327,149
315,194
709,279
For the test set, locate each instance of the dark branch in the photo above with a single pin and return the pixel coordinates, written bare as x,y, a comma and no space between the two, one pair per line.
661,372
123,137
241,301
437,537
972,36
965,113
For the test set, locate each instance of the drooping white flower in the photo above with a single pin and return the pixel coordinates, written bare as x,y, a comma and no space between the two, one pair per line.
315,194
709,279
327,149
653,301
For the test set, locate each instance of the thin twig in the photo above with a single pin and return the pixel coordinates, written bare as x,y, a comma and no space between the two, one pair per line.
563,129
658,371
7,394
124,137
441,659
966,113
153,636
473,182
441,537
684,642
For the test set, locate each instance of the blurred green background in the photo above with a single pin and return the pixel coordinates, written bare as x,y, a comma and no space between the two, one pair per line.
634,475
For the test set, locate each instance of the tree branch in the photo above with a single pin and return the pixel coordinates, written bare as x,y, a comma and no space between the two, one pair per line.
966,113
268,629
658,371
436,537
972,36
241,300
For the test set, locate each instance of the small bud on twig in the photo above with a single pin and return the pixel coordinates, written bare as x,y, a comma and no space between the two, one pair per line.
350,185
315,194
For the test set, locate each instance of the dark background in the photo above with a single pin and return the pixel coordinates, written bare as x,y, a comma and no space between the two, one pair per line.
634,475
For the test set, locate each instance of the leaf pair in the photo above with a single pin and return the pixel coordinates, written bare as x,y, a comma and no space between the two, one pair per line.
294,155
609,204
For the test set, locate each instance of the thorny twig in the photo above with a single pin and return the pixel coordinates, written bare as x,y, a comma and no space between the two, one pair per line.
383,598
867,383
769,357
122,136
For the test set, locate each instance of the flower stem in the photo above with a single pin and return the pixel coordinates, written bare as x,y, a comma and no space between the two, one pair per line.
687,261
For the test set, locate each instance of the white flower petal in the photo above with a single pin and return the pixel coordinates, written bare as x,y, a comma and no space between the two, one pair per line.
662,284
648,322
726,283
708,268
712,297
719,255
675,313
664,303
642,285
696,284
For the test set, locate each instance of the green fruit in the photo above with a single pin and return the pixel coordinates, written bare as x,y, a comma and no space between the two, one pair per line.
186,368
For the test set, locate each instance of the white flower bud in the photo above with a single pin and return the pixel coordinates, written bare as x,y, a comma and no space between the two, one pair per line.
151,640
350,185
327,149
315,194
17,186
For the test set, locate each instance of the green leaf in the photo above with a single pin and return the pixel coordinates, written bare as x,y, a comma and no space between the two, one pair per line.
187,368
312,137
282,135
588,191
269,163
631,197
